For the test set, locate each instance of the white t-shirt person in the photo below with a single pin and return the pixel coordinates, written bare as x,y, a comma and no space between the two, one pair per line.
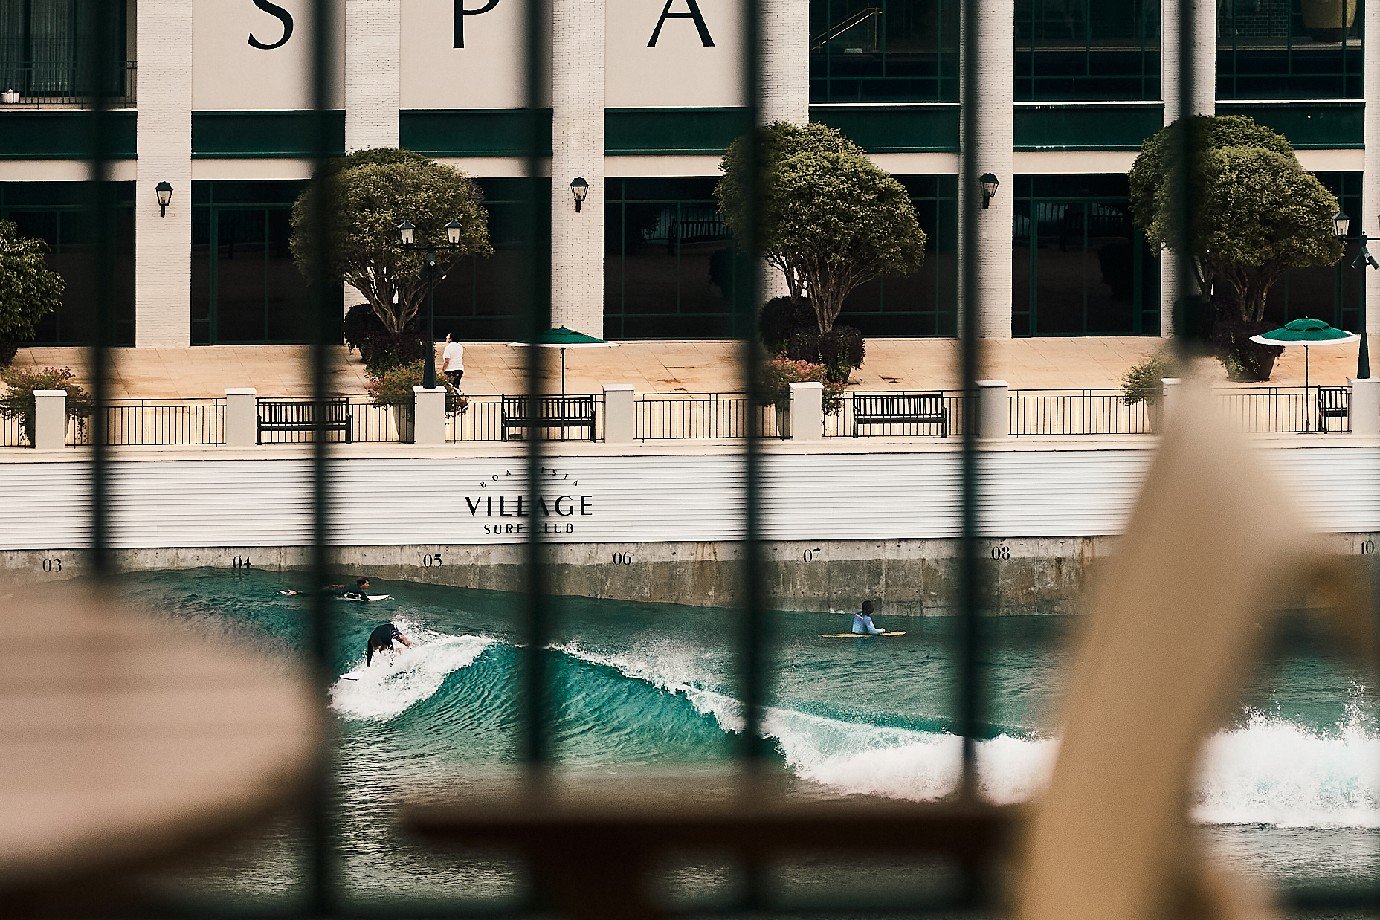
453,360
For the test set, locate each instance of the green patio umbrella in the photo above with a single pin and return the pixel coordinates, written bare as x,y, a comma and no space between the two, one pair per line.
563,338
1306,332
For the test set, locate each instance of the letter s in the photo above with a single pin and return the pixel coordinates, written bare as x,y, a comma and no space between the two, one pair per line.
283,16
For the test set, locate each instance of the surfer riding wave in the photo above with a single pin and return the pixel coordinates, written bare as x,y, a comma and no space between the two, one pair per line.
381,640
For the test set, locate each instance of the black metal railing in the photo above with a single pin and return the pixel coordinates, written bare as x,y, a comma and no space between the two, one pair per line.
56,82
1078,412
844,423
698,416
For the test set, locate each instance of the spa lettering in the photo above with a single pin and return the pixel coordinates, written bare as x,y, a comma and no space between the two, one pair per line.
674,9
283,17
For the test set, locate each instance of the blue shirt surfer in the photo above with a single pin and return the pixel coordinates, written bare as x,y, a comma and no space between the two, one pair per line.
381,640
862,622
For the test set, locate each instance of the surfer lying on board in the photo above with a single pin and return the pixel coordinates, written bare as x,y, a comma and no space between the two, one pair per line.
862,621
360,592
381,640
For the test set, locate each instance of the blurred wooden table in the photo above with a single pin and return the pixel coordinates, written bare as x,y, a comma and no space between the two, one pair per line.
127,739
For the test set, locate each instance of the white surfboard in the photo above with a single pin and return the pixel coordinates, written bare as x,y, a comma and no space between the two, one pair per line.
372,597
848,635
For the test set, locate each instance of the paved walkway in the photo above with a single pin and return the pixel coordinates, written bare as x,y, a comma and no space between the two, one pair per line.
664,366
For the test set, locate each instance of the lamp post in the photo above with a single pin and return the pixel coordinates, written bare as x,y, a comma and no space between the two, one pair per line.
1341,226
407,233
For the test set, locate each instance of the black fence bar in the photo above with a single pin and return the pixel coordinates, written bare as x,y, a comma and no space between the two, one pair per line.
323,864
969,582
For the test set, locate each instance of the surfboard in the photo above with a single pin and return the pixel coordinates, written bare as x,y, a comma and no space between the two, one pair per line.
848,635
353,675
372,597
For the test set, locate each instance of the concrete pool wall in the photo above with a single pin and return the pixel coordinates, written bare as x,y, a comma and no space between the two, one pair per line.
841,521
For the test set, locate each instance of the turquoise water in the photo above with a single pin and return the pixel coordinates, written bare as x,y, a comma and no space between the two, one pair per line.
1289,790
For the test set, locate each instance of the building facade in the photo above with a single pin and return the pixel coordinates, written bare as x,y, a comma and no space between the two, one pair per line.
645,95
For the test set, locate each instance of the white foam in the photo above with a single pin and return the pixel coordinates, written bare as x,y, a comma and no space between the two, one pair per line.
382,692
1268,771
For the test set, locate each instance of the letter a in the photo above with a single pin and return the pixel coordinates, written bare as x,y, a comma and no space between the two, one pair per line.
461,12
693,13
284,17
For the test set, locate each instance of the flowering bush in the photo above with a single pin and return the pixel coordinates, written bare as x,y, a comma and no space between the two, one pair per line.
774,388
20,383
393,387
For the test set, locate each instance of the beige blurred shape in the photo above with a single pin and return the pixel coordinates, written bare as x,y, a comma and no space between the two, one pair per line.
1215,546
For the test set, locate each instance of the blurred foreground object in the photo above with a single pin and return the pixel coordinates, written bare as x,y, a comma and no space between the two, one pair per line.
1215,548
127,740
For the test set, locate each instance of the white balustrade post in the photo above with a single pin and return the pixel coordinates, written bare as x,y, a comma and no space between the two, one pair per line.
1365,406
807,411
993,409
429,420
241,417
50,419
620,424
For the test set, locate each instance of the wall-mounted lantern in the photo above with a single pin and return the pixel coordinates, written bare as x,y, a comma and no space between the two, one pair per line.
579,188
990,184
164,192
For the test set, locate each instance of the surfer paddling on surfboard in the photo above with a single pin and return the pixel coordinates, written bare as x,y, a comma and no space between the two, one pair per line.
862,622
381,640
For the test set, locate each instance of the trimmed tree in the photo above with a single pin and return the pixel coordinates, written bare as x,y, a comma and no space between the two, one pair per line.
372,192
831,220
1260,213
29,290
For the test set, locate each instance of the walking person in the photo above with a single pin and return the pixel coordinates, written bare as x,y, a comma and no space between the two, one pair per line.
453,361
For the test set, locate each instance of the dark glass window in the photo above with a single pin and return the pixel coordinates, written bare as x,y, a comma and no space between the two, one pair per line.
1332,293
1087,49
245,287
480,299
668,263
1288,49
56,212
1080,265
884,50
44,49
923,303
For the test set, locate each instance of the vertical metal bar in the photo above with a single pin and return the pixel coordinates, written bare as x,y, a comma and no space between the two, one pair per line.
322,866
535,681
1180,172
747,276
102,203
969,583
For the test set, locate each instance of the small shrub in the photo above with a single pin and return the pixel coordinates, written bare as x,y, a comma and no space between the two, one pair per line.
361,323
841,350
8,350
774,388
20,383
1144,382
389,350
780,319
393,387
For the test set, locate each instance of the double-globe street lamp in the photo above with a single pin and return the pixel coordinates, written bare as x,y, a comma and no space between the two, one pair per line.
407,232
1341,226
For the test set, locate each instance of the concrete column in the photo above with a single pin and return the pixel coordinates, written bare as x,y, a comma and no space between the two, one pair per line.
807,412
1204,102
577,150
996,134
1370,177
994,409
429,420
50,419
620,423
163,244
241,417
373,73
1365,406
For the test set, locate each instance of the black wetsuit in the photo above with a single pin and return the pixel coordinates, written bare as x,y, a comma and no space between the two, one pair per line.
381,638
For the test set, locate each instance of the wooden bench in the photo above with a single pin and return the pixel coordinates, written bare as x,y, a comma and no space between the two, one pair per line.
299,415
551,412
900,408
1333,402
